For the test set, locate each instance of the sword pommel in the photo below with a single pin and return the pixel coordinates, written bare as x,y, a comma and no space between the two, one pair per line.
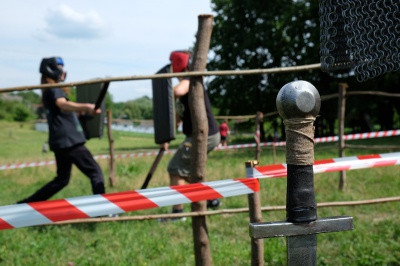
298,99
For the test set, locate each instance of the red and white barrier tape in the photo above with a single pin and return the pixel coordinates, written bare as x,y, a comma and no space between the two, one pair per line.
330,165
47,212
51,211
97,157
25,165
132,155
368,135
379,134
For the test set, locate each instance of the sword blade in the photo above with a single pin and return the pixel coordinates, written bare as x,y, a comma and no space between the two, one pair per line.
301,250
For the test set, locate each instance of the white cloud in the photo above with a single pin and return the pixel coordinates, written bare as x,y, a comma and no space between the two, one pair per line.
96,39
64,22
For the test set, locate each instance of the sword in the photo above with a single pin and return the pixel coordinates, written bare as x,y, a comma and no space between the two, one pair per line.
102,94
298,103
153,167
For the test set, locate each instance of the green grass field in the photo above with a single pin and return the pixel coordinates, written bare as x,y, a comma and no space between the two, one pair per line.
375,239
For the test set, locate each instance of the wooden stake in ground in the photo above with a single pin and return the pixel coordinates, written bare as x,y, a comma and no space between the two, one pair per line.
341,117
257,245
111,172
153,167
258,125
200,134
255,216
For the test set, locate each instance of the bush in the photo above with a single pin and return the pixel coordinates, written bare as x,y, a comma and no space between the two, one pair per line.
15,111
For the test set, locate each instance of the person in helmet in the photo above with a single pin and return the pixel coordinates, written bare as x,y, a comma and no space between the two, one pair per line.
179,165
66,137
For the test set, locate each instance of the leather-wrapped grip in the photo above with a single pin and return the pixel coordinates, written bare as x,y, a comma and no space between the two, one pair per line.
300,196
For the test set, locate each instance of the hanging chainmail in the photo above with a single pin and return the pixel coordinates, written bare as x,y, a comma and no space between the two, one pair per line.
363,35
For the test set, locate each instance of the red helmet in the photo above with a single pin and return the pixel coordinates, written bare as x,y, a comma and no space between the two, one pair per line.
179,60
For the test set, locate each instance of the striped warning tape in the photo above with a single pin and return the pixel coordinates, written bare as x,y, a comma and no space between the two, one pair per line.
97,157
378,134
25,165
47,212
330,165
51,211
368,135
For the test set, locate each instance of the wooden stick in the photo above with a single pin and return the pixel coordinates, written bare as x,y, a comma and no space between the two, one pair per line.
376,147
169,75
341,117
225,211
377,93
202,250
255,216
111,175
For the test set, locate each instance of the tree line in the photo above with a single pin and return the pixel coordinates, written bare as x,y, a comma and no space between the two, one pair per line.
27,106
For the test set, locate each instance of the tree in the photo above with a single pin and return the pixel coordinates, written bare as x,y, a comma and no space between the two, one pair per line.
251,34
141,109
145,106
29,97
259,34
15,111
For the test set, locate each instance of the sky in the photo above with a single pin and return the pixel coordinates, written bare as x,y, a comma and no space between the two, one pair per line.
96,39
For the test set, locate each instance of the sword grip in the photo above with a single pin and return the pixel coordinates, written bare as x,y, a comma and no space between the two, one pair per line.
102,94
300,196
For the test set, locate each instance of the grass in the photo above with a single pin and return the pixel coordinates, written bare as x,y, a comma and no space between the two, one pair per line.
375,239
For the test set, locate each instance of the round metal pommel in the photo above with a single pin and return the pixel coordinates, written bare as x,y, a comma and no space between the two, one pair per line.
298,99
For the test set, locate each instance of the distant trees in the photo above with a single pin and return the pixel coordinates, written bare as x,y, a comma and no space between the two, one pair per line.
26,106
255,34
12,110
138,109
18,106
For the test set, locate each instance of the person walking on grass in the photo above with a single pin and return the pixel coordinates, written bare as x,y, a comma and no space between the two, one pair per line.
224,132
179,165
66,137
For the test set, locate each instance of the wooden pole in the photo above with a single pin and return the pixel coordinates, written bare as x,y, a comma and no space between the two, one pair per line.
341,116
111,171
201,241
259,118
255,215
220,212
274,152
153,167
170,75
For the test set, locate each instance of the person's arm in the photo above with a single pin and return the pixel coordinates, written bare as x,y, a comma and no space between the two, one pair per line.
182,88
165,146
68,106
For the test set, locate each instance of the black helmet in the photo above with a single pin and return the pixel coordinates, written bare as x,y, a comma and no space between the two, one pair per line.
49,67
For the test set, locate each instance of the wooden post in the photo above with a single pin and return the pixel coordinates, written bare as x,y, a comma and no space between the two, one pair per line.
201,241
274,152
255,215
259,118
341,117
111,170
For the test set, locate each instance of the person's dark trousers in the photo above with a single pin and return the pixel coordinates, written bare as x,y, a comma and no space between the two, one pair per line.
83,159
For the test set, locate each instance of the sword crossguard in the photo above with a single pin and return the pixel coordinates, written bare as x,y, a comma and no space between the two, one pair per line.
284,228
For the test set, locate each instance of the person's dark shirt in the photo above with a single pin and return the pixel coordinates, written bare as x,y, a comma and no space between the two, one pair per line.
187,120
65,130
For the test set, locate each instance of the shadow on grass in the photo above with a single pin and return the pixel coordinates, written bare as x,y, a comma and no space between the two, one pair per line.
90,227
